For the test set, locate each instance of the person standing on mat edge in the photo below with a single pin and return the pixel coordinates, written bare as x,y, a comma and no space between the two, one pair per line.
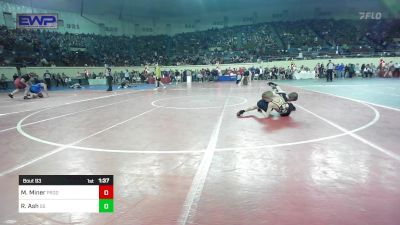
158,77
329,73
246,78
109,78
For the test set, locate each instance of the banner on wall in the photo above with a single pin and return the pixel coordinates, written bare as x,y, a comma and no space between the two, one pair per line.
37,21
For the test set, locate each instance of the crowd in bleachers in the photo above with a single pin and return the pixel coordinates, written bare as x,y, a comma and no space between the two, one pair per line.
239,44
365,70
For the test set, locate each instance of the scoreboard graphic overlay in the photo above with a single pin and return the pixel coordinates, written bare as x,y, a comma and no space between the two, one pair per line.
66,193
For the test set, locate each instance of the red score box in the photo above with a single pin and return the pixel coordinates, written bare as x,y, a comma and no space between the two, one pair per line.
106,192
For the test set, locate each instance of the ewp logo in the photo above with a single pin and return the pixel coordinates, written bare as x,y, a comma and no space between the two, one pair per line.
37,21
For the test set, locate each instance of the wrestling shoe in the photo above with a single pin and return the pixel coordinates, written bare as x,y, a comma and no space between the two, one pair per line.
10,95
272,84
238,114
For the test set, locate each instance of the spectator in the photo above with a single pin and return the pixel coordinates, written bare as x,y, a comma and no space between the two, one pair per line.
47,79
68,81
341,71
238,44
396,72
367,72
3,81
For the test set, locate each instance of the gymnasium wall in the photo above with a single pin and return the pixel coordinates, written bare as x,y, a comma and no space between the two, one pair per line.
72,71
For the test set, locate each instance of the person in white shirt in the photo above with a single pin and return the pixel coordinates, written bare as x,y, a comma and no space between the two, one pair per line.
238,78
367,71
68,81
329,73
126,76
396,72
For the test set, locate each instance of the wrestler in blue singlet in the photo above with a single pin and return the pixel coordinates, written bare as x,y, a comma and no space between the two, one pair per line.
36,89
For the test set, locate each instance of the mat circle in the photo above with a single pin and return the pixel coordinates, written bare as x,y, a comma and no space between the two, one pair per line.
156,103
244,148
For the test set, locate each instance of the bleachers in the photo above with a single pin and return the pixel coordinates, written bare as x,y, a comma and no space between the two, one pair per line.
239,44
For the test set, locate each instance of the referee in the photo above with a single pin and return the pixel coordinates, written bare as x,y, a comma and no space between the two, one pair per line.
329,73
109,78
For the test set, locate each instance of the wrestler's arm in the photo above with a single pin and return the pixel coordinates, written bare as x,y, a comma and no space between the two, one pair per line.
275,88
251,108
279,89
268,112
27,86
22,80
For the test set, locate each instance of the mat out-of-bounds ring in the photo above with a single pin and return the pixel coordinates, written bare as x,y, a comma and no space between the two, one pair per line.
155,103
247,148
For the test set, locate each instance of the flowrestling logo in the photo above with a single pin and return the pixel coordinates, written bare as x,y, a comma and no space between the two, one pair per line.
370,15
35,21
